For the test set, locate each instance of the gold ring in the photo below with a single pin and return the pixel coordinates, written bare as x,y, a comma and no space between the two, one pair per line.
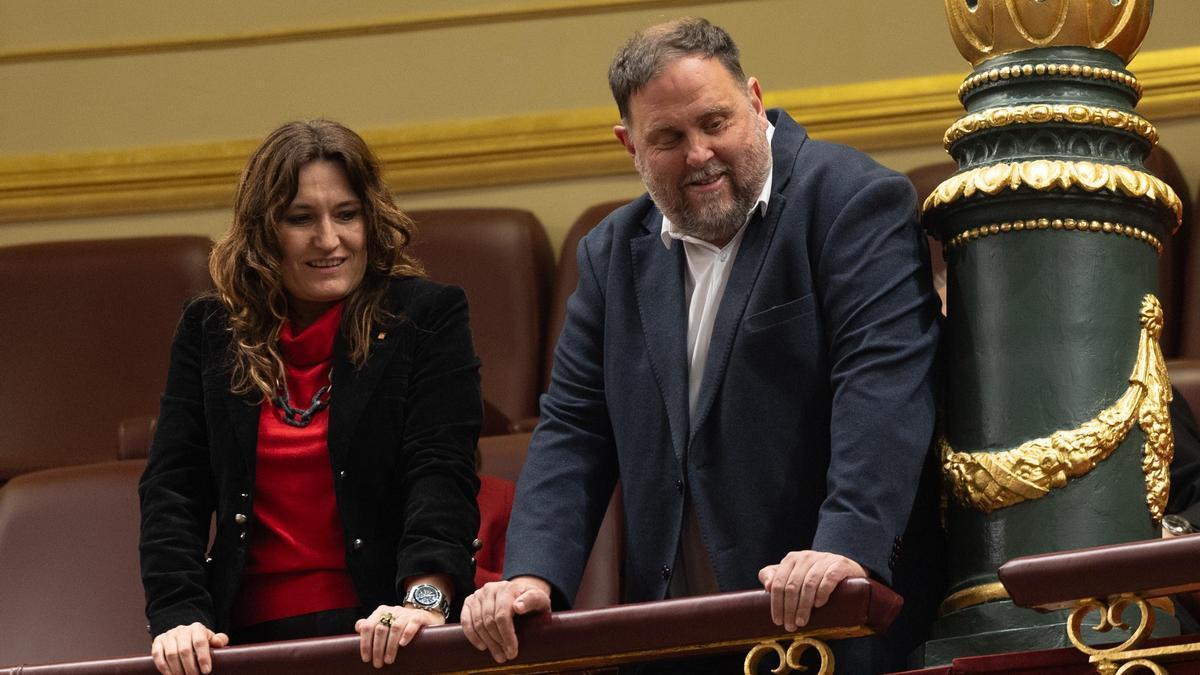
386,619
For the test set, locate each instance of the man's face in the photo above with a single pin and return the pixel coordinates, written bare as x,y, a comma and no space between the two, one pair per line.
697,138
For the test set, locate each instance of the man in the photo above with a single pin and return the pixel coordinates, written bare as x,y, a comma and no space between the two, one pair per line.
750,350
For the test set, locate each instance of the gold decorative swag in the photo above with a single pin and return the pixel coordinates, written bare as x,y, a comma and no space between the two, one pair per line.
987,481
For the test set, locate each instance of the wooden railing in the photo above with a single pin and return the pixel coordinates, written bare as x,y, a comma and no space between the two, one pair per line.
1102,584
571,640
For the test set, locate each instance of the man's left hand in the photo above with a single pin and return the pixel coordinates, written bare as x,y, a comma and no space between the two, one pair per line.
804,580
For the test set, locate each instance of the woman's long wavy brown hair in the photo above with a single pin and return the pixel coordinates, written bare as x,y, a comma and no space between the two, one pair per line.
245,262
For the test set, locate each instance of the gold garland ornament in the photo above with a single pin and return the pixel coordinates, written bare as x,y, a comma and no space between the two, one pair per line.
789,660
987,481
1045,175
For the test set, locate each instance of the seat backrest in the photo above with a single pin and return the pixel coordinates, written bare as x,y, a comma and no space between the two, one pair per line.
503,260
566,277
1172,264
1189,320
69,565
601,584
1185,376
85,331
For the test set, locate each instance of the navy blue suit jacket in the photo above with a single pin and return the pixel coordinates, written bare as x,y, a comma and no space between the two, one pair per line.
817,404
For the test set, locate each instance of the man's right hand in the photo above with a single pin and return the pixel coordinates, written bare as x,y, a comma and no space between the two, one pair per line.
186,650
487,614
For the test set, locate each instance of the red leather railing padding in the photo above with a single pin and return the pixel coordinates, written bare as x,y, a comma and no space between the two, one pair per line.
594,637
1149,568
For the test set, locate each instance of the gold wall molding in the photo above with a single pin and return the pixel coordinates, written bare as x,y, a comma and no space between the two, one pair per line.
987,481
491,14
880,115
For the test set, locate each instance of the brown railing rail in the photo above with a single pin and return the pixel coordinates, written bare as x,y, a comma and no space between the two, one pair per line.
562,641
1149,569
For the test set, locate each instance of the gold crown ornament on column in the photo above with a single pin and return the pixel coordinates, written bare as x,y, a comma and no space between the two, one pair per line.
983,29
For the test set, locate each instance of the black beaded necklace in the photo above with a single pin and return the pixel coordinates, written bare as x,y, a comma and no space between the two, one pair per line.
301,418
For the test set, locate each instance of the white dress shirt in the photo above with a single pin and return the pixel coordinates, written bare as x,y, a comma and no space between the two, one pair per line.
708,269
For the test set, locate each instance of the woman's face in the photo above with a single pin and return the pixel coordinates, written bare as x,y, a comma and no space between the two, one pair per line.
323,240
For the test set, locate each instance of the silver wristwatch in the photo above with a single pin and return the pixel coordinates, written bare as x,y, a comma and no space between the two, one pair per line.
428,598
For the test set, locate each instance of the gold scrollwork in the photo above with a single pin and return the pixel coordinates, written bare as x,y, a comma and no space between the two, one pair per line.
1128,651
1069,224
1044,175
1049,70
1042,113
987,481
789,660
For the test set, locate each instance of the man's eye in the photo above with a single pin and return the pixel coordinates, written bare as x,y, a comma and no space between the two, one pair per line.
714,124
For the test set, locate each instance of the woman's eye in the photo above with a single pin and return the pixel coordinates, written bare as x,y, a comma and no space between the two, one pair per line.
347,216
296,219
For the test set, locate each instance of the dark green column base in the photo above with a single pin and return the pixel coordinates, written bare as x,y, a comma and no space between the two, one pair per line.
970,632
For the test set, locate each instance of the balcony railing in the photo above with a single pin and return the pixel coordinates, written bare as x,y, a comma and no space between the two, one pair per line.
571,640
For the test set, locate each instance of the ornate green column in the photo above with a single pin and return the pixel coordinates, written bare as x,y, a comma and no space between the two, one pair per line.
1056,433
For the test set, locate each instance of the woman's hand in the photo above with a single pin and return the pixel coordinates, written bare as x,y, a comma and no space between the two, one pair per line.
378,642
186,650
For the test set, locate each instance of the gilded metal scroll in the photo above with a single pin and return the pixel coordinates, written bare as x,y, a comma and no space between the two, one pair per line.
1131,657
1044,175
789,660
987,481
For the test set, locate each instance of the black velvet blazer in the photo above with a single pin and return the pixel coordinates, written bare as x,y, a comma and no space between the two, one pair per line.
402,435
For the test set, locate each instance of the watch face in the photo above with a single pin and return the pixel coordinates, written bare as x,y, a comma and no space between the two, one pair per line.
426,595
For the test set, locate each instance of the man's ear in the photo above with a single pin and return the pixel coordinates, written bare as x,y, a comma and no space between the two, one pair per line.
754,93
623,136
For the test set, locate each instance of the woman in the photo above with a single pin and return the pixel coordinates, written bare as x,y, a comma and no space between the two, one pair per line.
324,403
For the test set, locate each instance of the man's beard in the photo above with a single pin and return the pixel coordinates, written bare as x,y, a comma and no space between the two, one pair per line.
708,217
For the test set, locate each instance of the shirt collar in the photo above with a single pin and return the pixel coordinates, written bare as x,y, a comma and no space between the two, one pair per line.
669,233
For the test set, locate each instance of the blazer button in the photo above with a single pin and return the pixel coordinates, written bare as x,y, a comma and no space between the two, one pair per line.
666,572
358,544
476,545
242,536
679,486
239,518
342,474
244,496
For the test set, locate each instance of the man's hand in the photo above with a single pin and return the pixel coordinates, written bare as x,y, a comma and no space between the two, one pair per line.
804,580
487,615
186,650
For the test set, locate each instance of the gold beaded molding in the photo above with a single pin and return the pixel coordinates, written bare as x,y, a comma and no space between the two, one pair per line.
1042,113
1080,225
1049,70
1045,175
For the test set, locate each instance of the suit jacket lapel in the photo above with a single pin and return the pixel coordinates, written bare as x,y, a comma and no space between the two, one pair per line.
755,243
785,147
352,388
658,285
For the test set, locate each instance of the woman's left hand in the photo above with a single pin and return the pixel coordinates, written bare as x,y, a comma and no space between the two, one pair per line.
379,642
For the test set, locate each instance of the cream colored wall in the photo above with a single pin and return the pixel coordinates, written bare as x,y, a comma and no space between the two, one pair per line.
477,70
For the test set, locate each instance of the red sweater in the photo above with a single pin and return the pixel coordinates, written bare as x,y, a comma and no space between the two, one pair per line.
297,561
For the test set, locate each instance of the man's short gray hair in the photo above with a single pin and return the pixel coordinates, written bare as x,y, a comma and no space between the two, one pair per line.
649,51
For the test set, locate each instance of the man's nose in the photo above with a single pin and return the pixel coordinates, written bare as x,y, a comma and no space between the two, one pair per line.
699,152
